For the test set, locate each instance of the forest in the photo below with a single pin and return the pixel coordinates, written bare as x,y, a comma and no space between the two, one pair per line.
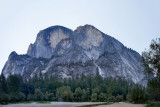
78,89
43,87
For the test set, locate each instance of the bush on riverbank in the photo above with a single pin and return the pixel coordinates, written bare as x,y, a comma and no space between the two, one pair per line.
153,105
137,94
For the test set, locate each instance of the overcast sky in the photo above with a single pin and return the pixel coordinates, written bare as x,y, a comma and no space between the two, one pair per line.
133,22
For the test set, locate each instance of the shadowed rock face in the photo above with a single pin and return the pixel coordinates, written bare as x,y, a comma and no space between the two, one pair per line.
63,52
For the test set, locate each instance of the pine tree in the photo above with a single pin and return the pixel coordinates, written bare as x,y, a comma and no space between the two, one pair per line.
4,85
14,83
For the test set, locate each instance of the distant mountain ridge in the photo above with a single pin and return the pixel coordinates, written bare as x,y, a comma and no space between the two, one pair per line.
62,52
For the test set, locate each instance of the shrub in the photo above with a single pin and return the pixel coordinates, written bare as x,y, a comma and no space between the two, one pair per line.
94,97
14,97
30,97
112,98
119,98
21,96
153,105
153,89
65,93
50,97
4,97
38,95
78,94
102,97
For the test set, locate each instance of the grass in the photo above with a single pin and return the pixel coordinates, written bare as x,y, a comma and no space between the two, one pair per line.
153,104
3,103
43,102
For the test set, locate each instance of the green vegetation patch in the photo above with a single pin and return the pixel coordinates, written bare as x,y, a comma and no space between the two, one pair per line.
44,102
153,104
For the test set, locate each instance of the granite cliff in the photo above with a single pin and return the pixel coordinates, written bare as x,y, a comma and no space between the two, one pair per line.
62,52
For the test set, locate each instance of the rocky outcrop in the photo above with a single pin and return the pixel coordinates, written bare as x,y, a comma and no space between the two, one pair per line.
63,52
21,64
47,40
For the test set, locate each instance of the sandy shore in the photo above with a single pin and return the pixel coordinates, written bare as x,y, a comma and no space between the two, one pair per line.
69,104
52,104
123,104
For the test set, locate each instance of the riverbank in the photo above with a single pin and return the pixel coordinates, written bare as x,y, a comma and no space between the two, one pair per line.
52,104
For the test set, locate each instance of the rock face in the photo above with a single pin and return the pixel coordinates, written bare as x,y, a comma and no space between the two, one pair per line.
47,40
62,52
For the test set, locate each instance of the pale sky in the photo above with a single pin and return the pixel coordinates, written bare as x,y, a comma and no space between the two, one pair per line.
133,22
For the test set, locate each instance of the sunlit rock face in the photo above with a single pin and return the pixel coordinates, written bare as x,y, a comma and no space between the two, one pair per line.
92,36
47,40
62,52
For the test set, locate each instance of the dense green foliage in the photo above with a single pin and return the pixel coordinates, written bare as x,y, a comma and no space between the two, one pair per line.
151,59
153,105
153,90
65,93
137,94
42,87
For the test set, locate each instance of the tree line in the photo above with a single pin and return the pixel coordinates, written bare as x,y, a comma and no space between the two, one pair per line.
43,87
